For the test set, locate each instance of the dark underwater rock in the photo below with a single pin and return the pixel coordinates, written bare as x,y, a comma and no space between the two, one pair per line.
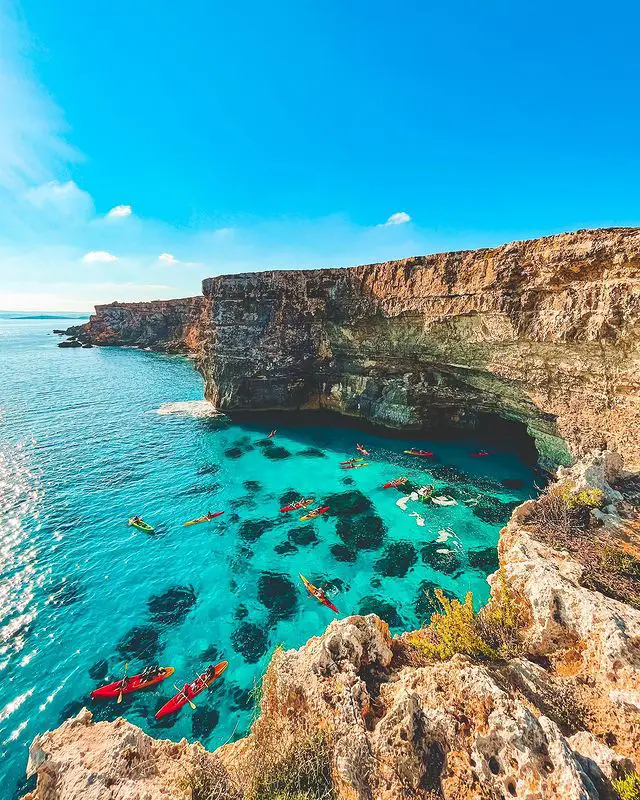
285,549
289,497
347,481
397,560
312,452
250,641
447,561
241,612
209,469
276,453
365,532
172,606
204,721
141,643
303,535
65,593
347,503
342,553
486,560
233,452
241,699
277,593
252,486
493,511
210,655
252,529
233,518
386,611
99,670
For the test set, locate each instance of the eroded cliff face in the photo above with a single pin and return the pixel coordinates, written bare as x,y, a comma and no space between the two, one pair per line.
545,332
173,326
559,720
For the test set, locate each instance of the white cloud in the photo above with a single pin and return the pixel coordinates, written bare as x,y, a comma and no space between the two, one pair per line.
398,218
56,198
167,258
119,211
98,257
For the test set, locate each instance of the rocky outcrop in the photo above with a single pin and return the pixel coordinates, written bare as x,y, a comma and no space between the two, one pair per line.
544,333
172,326
559,719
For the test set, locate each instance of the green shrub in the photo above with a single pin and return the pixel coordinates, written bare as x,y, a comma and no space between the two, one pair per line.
585,498
628,787
491,633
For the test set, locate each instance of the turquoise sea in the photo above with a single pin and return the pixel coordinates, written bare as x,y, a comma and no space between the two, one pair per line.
82,448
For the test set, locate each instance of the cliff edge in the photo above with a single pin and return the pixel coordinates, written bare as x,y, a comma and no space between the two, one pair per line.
545,333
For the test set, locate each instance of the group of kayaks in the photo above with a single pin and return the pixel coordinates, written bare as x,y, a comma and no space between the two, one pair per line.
150,676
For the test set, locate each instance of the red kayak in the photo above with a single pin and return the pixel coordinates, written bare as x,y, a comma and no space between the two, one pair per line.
393,484
360,448
480,454
133,684
424,453
313,592
295,506
194,688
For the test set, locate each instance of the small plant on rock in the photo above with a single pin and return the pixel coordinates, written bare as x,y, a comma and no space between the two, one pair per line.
628,787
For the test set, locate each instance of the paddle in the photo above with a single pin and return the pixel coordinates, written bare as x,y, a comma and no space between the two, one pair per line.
183,693
126,667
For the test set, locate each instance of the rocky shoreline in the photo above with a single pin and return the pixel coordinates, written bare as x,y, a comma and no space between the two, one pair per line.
558,717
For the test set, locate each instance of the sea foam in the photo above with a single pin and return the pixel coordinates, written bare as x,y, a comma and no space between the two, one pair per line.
191,408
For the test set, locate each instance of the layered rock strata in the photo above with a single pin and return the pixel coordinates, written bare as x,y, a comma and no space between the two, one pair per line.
172,326
560,720
543,332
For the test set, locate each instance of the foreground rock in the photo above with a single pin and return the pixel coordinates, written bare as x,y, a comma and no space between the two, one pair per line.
561,719
542,333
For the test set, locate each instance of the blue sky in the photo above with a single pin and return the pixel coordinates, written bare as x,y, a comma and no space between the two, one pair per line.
242,136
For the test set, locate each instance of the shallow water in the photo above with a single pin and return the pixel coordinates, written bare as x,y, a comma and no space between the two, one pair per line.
82,448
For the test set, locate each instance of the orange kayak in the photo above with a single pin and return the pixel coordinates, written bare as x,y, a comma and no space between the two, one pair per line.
312,591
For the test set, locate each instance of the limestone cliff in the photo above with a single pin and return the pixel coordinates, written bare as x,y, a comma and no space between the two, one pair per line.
544,332
356,714
173,326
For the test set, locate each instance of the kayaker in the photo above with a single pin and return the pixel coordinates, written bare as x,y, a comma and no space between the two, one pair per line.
272,434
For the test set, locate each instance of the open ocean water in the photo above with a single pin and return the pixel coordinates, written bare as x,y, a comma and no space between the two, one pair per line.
82,448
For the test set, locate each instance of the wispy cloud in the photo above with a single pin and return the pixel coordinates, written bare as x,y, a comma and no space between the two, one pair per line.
117,212
399,218
32,144
168,258
98,257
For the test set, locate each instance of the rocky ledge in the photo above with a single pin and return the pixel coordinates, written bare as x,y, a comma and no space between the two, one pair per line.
552,712
544,333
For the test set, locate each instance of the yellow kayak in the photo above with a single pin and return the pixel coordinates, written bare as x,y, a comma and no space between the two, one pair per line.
206,518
